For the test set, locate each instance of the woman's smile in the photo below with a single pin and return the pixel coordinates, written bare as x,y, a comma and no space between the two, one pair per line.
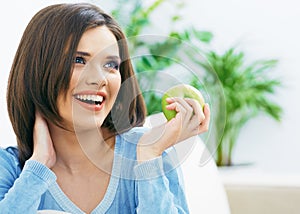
91,100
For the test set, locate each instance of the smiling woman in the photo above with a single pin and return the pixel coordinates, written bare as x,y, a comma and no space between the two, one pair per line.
95,80
77,112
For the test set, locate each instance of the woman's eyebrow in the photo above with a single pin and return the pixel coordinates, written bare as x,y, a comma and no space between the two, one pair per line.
113,58
83,53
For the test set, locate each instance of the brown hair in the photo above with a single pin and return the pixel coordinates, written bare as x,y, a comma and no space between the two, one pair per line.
42,69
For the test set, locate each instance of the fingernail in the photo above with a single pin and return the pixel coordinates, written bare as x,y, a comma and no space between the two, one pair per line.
169,99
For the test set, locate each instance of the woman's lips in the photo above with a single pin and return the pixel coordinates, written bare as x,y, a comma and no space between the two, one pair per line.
91,100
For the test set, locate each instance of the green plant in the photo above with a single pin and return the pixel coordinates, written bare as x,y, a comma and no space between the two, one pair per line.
247,90
155,52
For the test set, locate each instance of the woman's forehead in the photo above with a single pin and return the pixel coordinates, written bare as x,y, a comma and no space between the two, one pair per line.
98,41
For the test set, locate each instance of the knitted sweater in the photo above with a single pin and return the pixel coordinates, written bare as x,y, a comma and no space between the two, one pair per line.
154,186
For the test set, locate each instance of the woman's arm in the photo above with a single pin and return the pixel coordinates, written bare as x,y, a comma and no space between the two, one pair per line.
160,188
20,192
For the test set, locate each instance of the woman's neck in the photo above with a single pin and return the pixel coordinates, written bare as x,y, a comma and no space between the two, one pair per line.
79,152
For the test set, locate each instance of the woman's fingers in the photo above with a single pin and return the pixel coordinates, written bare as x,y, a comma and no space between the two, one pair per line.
40,123
183,109
204,125
190,109
191,118
198,115
41,131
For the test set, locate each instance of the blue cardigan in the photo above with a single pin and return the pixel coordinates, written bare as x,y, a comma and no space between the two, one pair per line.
153,186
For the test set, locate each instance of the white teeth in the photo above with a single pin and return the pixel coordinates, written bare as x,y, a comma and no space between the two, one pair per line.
95,98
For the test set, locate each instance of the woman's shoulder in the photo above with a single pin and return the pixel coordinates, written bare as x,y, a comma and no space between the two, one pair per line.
9,157
127,141
133,134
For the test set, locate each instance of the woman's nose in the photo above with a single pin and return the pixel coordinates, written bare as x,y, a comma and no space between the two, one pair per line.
95,75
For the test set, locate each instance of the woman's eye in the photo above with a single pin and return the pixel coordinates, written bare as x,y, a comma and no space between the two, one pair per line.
79,60
112,65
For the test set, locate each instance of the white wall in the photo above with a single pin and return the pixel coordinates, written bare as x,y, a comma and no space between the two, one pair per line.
14,16
264,29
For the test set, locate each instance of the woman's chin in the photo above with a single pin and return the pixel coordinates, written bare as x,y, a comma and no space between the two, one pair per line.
81,127
87,122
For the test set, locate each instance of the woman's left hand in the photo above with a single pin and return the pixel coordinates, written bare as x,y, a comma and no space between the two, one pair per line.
43,149
189,121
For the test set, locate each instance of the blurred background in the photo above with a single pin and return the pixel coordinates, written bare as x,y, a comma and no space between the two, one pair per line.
262,30
260,37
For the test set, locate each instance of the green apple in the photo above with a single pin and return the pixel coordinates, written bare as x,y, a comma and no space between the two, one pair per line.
183,91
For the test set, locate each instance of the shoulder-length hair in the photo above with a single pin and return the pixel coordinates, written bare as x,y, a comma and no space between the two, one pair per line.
42,69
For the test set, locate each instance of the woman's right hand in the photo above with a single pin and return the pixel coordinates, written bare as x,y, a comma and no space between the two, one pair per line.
43,149
189,121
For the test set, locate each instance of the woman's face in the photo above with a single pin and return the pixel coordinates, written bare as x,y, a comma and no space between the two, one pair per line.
95,81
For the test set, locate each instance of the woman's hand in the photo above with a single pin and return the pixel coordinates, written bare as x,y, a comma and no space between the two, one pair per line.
189,121
43,150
